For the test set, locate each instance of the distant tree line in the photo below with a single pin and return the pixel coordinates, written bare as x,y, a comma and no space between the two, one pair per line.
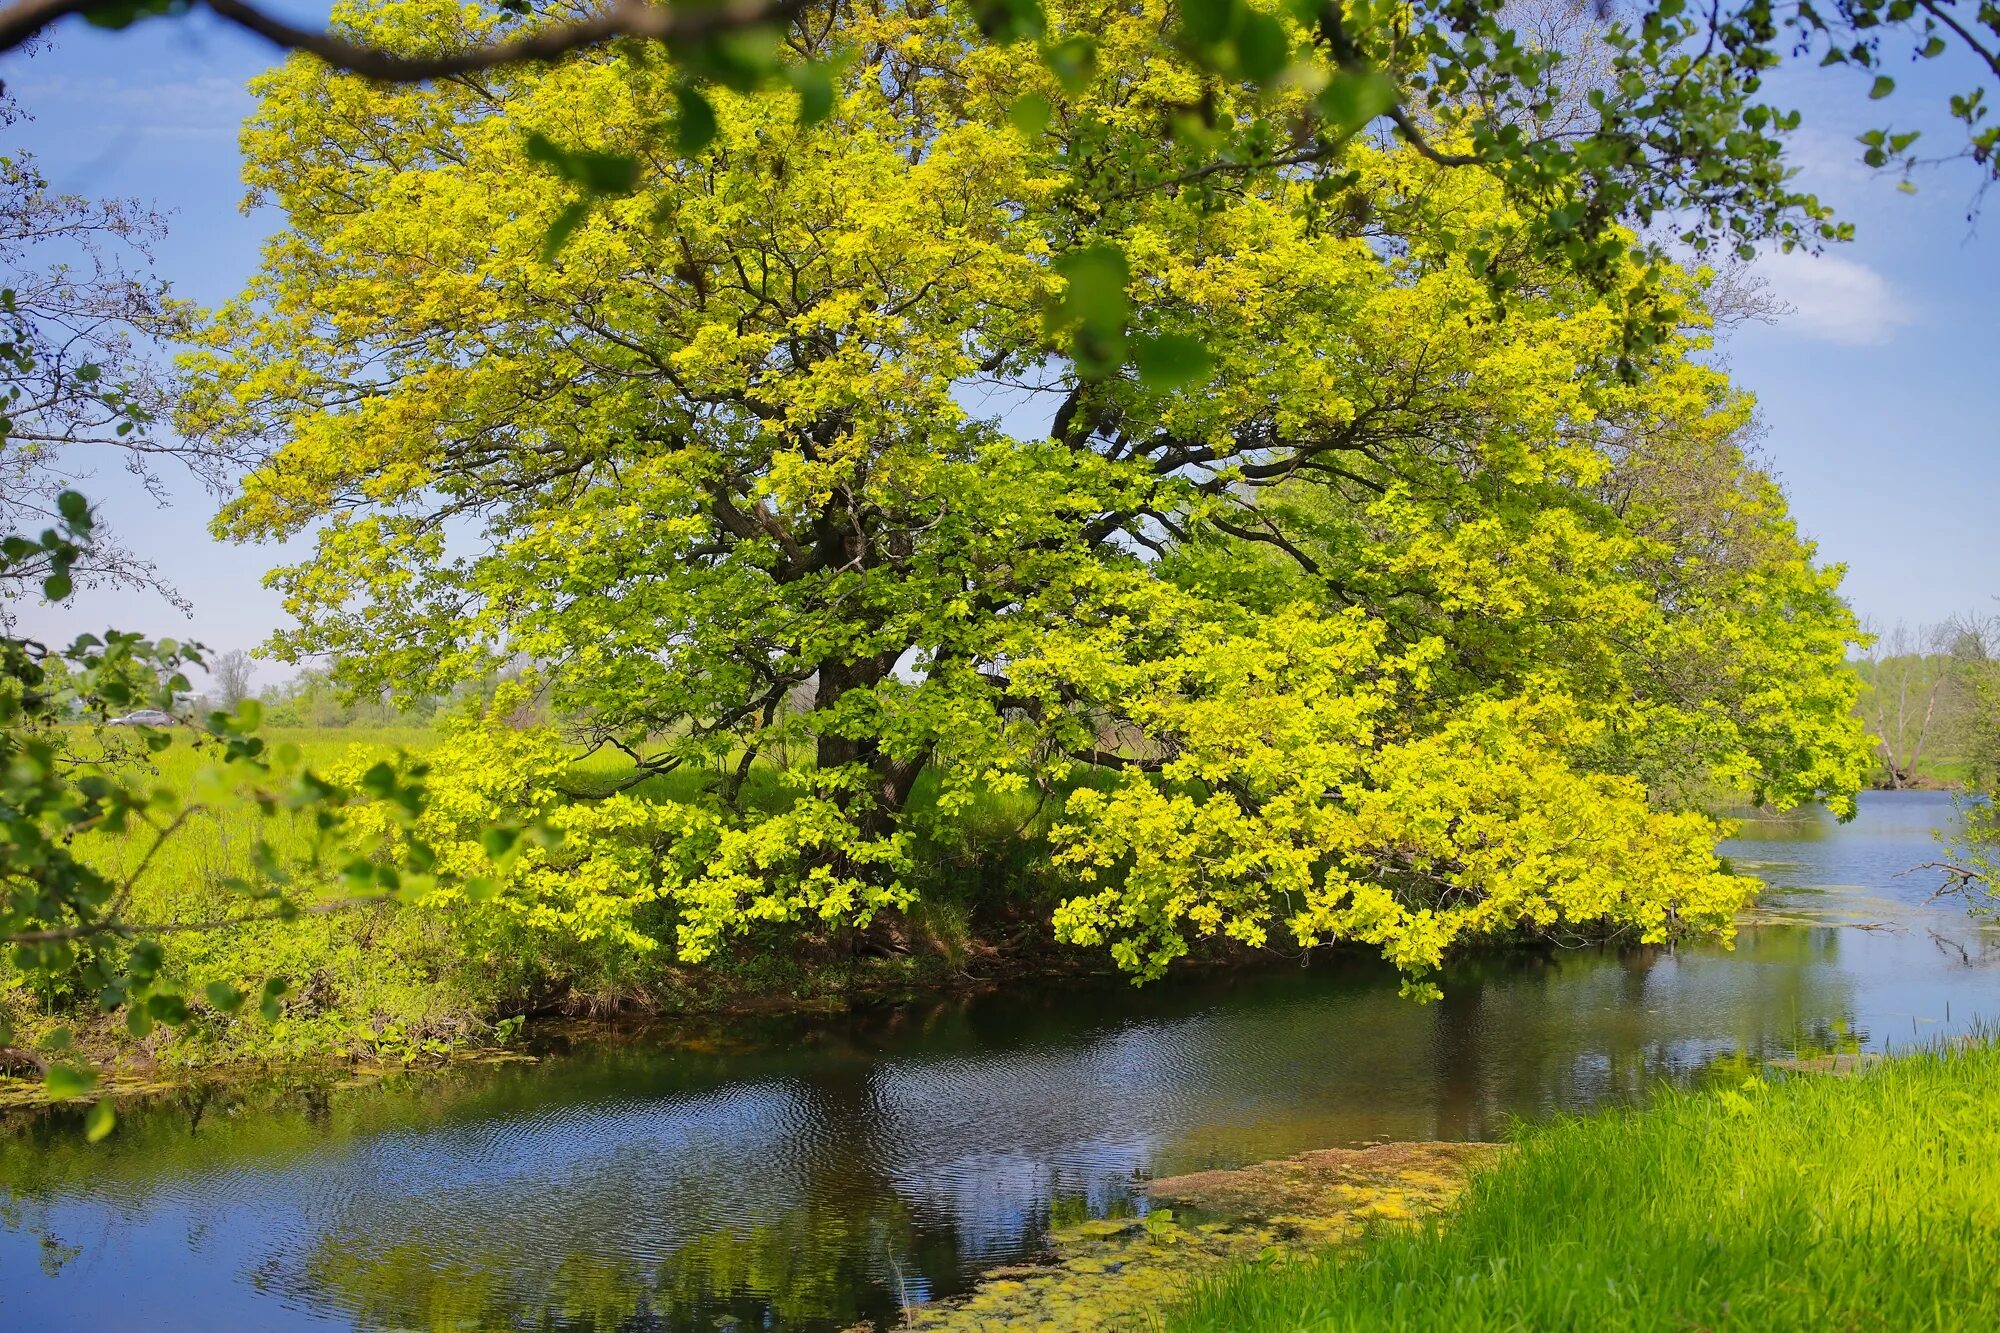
1931,702
313,697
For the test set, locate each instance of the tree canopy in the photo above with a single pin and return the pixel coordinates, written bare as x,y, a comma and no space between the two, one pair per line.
1324,584
1662,123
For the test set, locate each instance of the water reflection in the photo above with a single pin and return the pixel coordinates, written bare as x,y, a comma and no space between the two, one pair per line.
810,1174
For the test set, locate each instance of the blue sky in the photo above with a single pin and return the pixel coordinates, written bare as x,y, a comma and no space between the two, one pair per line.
1880,392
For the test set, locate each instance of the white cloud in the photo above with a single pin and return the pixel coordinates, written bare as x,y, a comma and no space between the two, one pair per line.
1834,299
1828,163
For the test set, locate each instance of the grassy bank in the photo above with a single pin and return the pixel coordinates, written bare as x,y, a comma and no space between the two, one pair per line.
1864,1202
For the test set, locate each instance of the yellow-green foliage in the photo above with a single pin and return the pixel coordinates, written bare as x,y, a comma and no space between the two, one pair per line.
593,862
1394,615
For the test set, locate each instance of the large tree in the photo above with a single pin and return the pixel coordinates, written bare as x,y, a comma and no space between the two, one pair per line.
1330,592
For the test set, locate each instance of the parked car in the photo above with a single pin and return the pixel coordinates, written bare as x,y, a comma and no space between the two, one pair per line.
145,717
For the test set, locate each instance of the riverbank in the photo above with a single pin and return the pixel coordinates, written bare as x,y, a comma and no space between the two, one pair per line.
224,1047
1801,1201
812,1172
681,1008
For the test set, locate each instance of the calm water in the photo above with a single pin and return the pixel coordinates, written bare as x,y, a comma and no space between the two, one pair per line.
811,1173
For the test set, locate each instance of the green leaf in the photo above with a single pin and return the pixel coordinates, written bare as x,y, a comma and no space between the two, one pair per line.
1009,20
224,996
274,990
1073,61
74,508
696,126
1093,307
563,228
1170,361
65,1081
1262,48
249,715
56,587
1097,276
814,84
1030,114
1352,100
99,1120
1884,85
498,841
1206,23
597,172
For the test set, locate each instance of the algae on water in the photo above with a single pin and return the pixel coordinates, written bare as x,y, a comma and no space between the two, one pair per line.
1114,1273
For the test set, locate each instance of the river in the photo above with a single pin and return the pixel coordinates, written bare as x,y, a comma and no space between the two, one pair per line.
809,1173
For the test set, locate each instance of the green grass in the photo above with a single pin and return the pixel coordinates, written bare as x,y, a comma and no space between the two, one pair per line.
214,844
1815,1202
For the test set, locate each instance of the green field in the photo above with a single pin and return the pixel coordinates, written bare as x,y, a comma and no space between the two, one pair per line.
189,867
376,980
1811,1202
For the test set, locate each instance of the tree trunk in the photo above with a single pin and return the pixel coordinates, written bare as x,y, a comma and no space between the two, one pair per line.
894,778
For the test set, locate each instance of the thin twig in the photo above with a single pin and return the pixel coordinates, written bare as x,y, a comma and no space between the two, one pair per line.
130,931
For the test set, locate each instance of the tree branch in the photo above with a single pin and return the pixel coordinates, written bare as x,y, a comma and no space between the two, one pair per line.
26,19
127,930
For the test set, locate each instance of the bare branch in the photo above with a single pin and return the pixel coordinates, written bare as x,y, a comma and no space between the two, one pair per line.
127,930
26,19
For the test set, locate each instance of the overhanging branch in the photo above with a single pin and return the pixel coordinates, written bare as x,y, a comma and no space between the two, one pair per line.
26,19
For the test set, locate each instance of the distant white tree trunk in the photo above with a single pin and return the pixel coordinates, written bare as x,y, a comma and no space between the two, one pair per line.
1908,672
231,673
